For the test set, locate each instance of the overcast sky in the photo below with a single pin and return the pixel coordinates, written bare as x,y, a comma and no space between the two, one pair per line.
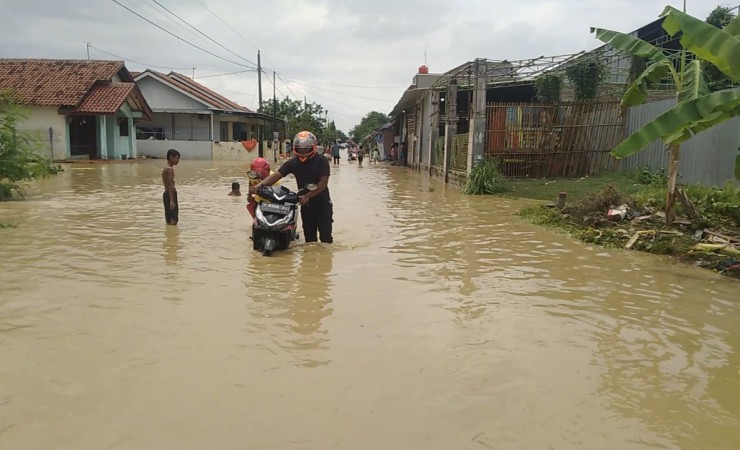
352,56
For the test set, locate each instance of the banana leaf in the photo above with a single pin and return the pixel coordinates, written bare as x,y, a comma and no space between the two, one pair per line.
637,92
693,83
683,121
630,44
733,28
705,41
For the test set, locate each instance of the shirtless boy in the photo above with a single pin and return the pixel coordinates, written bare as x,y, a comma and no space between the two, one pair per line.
169,198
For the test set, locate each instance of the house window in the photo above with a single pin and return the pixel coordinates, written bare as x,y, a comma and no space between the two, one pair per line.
123,127
154,133
240,131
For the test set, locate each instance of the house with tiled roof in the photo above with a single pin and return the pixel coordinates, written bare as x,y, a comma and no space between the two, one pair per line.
76,109
198,121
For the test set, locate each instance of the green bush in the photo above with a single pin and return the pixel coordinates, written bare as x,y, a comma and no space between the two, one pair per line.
18,161
485,179
647,176
719,206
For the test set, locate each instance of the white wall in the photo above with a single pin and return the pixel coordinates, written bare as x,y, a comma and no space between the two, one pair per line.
187,126
192,127
188,149
40,119
161,96
235,151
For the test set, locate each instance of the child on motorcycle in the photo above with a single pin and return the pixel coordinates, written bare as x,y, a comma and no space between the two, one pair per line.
261,169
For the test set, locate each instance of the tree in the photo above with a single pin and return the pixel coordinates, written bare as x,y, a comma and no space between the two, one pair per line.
303,116
697,108
331,134
371,122
586,76
18,161
549,88
720,17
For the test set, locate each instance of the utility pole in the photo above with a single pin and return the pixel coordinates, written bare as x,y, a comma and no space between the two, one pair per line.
274,119
87,44
259,89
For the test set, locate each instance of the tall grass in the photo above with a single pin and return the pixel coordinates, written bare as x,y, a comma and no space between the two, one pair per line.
486,179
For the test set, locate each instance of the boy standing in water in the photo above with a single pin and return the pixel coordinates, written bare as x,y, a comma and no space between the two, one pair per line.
169,198
360,156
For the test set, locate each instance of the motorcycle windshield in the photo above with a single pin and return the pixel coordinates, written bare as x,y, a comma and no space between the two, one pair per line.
275,194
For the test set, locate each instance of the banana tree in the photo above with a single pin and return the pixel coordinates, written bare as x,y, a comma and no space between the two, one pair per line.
697,108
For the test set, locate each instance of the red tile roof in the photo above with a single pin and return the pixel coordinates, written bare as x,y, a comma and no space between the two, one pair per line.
199,91
105,98
48,82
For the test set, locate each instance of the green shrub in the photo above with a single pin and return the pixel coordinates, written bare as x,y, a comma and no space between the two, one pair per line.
647,176
486,178
18,161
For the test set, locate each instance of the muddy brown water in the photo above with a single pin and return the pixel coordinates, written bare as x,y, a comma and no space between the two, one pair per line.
436,321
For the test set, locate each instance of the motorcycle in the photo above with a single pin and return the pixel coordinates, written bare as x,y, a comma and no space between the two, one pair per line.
352,154
275,221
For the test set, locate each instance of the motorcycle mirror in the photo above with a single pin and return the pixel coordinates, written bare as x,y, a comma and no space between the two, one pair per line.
311,187
252,174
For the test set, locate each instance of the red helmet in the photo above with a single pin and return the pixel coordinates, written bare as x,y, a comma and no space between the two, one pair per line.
261,167
304,145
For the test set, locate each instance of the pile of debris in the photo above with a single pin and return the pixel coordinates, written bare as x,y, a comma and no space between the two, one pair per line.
613,219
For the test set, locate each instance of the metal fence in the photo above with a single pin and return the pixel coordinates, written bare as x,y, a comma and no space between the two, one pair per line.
459,152
708,158
569,139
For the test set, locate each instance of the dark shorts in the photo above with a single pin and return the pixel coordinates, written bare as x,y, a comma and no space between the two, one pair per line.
170,215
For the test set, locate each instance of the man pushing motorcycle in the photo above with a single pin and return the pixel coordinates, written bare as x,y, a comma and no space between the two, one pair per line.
316,206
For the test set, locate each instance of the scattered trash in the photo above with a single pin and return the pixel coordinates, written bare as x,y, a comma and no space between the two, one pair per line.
617,214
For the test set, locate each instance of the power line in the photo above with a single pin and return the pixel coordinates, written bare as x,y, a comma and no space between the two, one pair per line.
321,96
168,19
286,85
227,25
228,73
178,37
233,92
275,68
139,62
353,86
202,33
349,95
276,88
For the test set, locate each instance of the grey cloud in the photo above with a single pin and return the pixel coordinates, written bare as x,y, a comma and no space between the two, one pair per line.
325,43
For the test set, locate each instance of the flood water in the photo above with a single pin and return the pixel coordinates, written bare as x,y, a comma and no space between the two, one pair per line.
435,321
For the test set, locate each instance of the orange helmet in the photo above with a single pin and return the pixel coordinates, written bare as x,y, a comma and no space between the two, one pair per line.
261,167
304,145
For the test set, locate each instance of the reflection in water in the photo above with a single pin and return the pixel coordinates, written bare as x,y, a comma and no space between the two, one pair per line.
291,291
435,321
171,244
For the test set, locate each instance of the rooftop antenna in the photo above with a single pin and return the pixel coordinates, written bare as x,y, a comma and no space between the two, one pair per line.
88,44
